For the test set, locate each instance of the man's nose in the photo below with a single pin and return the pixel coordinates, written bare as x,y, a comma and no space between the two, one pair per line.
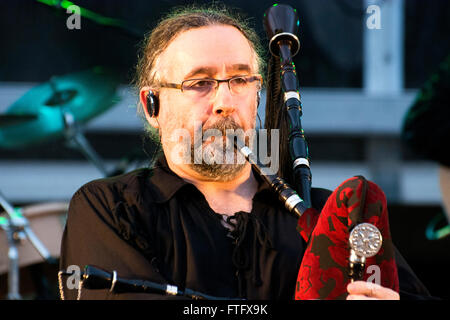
223,101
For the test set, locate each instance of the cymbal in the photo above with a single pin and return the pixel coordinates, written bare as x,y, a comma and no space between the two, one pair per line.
85,95
11,119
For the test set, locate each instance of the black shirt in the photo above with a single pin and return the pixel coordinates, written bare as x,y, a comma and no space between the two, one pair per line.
151,224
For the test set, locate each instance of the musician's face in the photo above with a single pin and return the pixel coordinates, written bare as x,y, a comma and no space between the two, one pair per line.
217,52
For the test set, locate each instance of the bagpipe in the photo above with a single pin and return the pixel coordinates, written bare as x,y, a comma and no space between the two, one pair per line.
96,278
351,232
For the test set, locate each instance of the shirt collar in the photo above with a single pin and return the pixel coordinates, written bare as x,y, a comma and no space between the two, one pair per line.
166,183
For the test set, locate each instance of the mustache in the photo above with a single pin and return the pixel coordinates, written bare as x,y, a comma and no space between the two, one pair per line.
222,125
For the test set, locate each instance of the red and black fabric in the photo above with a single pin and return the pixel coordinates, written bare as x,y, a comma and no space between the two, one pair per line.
323,273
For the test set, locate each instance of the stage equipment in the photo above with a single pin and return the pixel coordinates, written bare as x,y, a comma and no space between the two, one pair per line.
23,245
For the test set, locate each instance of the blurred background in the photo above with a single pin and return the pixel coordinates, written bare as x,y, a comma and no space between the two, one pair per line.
359,77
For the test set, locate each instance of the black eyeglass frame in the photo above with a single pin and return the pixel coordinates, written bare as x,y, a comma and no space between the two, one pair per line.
217,81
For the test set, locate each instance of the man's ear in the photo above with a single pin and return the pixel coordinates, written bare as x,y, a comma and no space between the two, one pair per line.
143,98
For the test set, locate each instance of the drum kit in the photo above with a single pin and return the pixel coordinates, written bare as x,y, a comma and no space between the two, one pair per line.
58,108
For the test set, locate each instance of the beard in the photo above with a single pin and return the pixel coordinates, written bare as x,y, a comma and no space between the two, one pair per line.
219,158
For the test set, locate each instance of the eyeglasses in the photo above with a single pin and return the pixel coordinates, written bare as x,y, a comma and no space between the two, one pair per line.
238,85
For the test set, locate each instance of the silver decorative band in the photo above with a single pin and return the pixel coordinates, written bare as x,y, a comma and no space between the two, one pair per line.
300,161
291,94
246,151
281,34
355,258
173,290
114,281
292,201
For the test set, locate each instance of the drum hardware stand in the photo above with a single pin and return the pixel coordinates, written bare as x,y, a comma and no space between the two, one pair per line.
17,229
78,141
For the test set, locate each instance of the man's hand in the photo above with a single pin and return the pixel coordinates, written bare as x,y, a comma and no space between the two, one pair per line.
361,290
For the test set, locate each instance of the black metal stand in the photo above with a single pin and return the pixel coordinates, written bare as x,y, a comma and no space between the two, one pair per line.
17,229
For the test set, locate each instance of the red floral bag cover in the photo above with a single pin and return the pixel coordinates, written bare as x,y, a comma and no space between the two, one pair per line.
324,269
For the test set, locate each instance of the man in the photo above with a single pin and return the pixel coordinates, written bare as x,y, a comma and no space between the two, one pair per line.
214,228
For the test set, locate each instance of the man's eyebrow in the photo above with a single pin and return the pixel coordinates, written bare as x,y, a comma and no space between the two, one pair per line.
240,67
211,71
201,71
